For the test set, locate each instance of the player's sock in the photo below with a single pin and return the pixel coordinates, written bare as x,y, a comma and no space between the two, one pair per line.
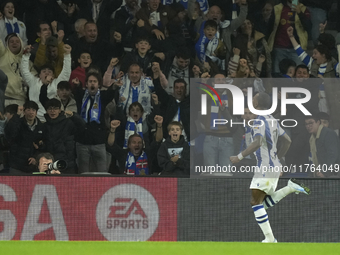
262,219
271,200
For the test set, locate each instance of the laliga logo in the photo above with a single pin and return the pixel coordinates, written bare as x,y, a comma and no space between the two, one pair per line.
127,212
238,102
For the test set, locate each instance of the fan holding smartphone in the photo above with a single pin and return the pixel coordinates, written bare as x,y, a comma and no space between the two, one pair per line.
295,6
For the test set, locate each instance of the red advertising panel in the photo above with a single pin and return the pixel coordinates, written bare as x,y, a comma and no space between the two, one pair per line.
88,208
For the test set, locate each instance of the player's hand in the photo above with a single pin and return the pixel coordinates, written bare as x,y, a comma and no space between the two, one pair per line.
158,119
175,158
67,49
234,159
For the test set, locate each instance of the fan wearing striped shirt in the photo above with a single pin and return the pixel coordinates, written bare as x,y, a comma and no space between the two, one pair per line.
321,64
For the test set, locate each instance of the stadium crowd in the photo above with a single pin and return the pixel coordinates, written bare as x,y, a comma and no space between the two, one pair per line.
105,84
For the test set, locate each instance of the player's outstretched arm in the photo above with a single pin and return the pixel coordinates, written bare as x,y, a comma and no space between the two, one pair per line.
285,144
250,149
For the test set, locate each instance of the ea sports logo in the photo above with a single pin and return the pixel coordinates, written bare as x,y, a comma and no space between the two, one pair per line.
127,212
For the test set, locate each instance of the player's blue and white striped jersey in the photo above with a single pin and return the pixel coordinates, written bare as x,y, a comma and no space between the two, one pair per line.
246,140
269,128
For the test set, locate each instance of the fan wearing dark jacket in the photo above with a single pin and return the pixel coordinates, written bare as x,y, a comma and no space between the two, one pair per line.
176,107
91,138
24,136
174,154
59,135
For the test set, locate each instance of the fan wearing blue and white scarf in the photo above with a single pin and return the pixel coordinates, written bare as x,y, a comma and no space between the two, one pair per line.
9,26
95,110
139,167
133,127
207,43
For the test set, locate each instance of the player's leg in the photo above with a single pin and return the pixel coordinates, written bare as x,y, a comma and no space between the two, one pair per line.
257,197
292,186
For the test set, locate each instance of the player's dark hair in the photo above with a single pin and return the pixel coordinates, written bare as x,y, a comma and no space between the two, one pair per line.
263,100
